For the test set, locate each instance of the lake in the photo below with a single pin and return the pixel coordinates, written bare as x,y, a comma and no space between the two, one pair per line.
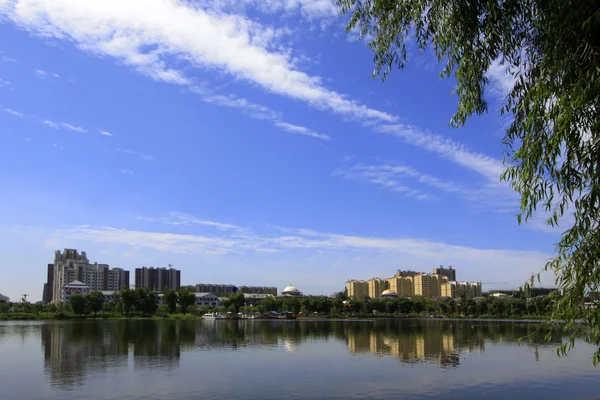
381,359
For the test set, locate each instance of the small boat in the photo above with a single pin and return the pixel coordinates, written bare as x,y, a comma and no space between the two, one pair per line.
212,316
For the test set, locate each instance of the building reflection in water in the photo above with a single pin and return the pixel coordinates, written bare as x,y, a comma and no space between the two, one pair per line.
440,342
73,350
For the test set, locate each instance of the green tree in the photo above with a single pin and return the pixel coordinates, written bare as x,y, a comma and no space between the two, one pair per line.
186,299
77,303
147,301
128,301
551,50
170,300
94,302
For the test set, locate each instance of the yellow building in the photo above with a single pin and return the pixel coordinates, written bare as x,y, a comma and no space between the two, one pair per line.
448,289
427,285
357,289
403,286
376,286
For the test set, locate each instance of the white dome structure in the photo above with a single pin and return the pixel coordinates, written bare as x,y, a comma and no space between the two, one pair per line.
291,291
389,293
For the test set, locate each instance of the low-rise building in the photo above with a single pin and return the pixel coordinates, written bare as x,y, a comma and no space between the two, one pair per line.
201,299
74,287
253,299
291,291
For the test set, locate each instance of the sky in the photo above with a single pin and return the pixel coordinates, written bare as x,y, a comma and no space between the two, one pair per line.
243,142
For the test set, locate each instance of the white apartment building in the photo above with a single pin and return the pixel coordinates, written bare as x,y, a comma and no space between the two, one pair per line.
70,265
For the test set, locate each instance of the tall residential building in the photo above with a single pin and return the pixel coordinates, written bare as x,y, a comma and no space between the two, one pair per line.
427,285
68,267
49,285
376,286
448,289
403,286
71,266
449,272
158,279
357,289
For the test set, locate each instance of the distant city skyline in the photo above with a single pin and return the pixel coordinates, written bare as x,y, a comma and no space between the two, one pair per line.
260,152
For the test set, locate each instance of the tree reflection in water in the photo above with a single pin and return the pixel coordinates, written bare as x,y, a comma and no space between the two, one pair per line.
74,349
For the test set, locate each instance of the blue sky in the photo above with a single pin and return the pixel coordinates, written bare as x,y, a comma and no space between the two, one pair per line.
245,142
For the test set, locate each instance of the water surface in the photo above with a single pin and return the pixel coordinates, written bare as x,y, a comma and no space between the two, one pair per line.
407,359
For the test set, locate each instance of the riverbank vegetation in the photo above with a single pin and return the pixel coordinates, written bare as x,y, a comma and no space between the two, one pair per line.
142,303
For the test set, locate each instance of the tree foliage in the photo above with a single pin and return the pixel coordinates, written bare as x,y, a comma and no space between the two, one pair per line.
551,49
170,300
77,303
94,302
186,299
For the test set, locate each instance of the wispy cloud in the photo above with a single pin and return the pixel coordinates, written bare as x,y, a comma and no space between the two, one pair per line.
143,156
126,171
14,112
58,146
40,73
413,183
105,133
51,124
230,43
301,130
501,79
488,167
177,218
414,252
258,111
64,125
8,59
74,128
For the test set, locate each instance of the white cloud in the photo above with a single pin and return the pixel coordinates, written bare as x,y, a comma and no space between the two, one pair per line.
105,133
488,167
312,9
258,111
177,218
300,130
147,34
51,124
143,156
28,139
14,112
8,59
58,146
63,125
126,172
501,80
410,182
40,73
73,127
412,253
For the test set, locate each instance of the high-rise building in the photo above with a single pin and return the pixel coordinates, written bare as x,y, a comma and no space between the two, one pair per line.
158,279
70,265
449,272
49,285
376,286
357,289
427,285
448,289
403,286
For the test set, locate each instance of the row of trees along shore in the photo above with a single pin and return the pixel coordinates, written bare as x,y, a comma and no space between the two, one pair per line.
144,303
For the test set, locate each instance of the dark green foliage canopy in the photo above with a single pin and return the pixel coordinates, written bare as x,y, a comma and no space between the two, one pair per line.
552,50
77,303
